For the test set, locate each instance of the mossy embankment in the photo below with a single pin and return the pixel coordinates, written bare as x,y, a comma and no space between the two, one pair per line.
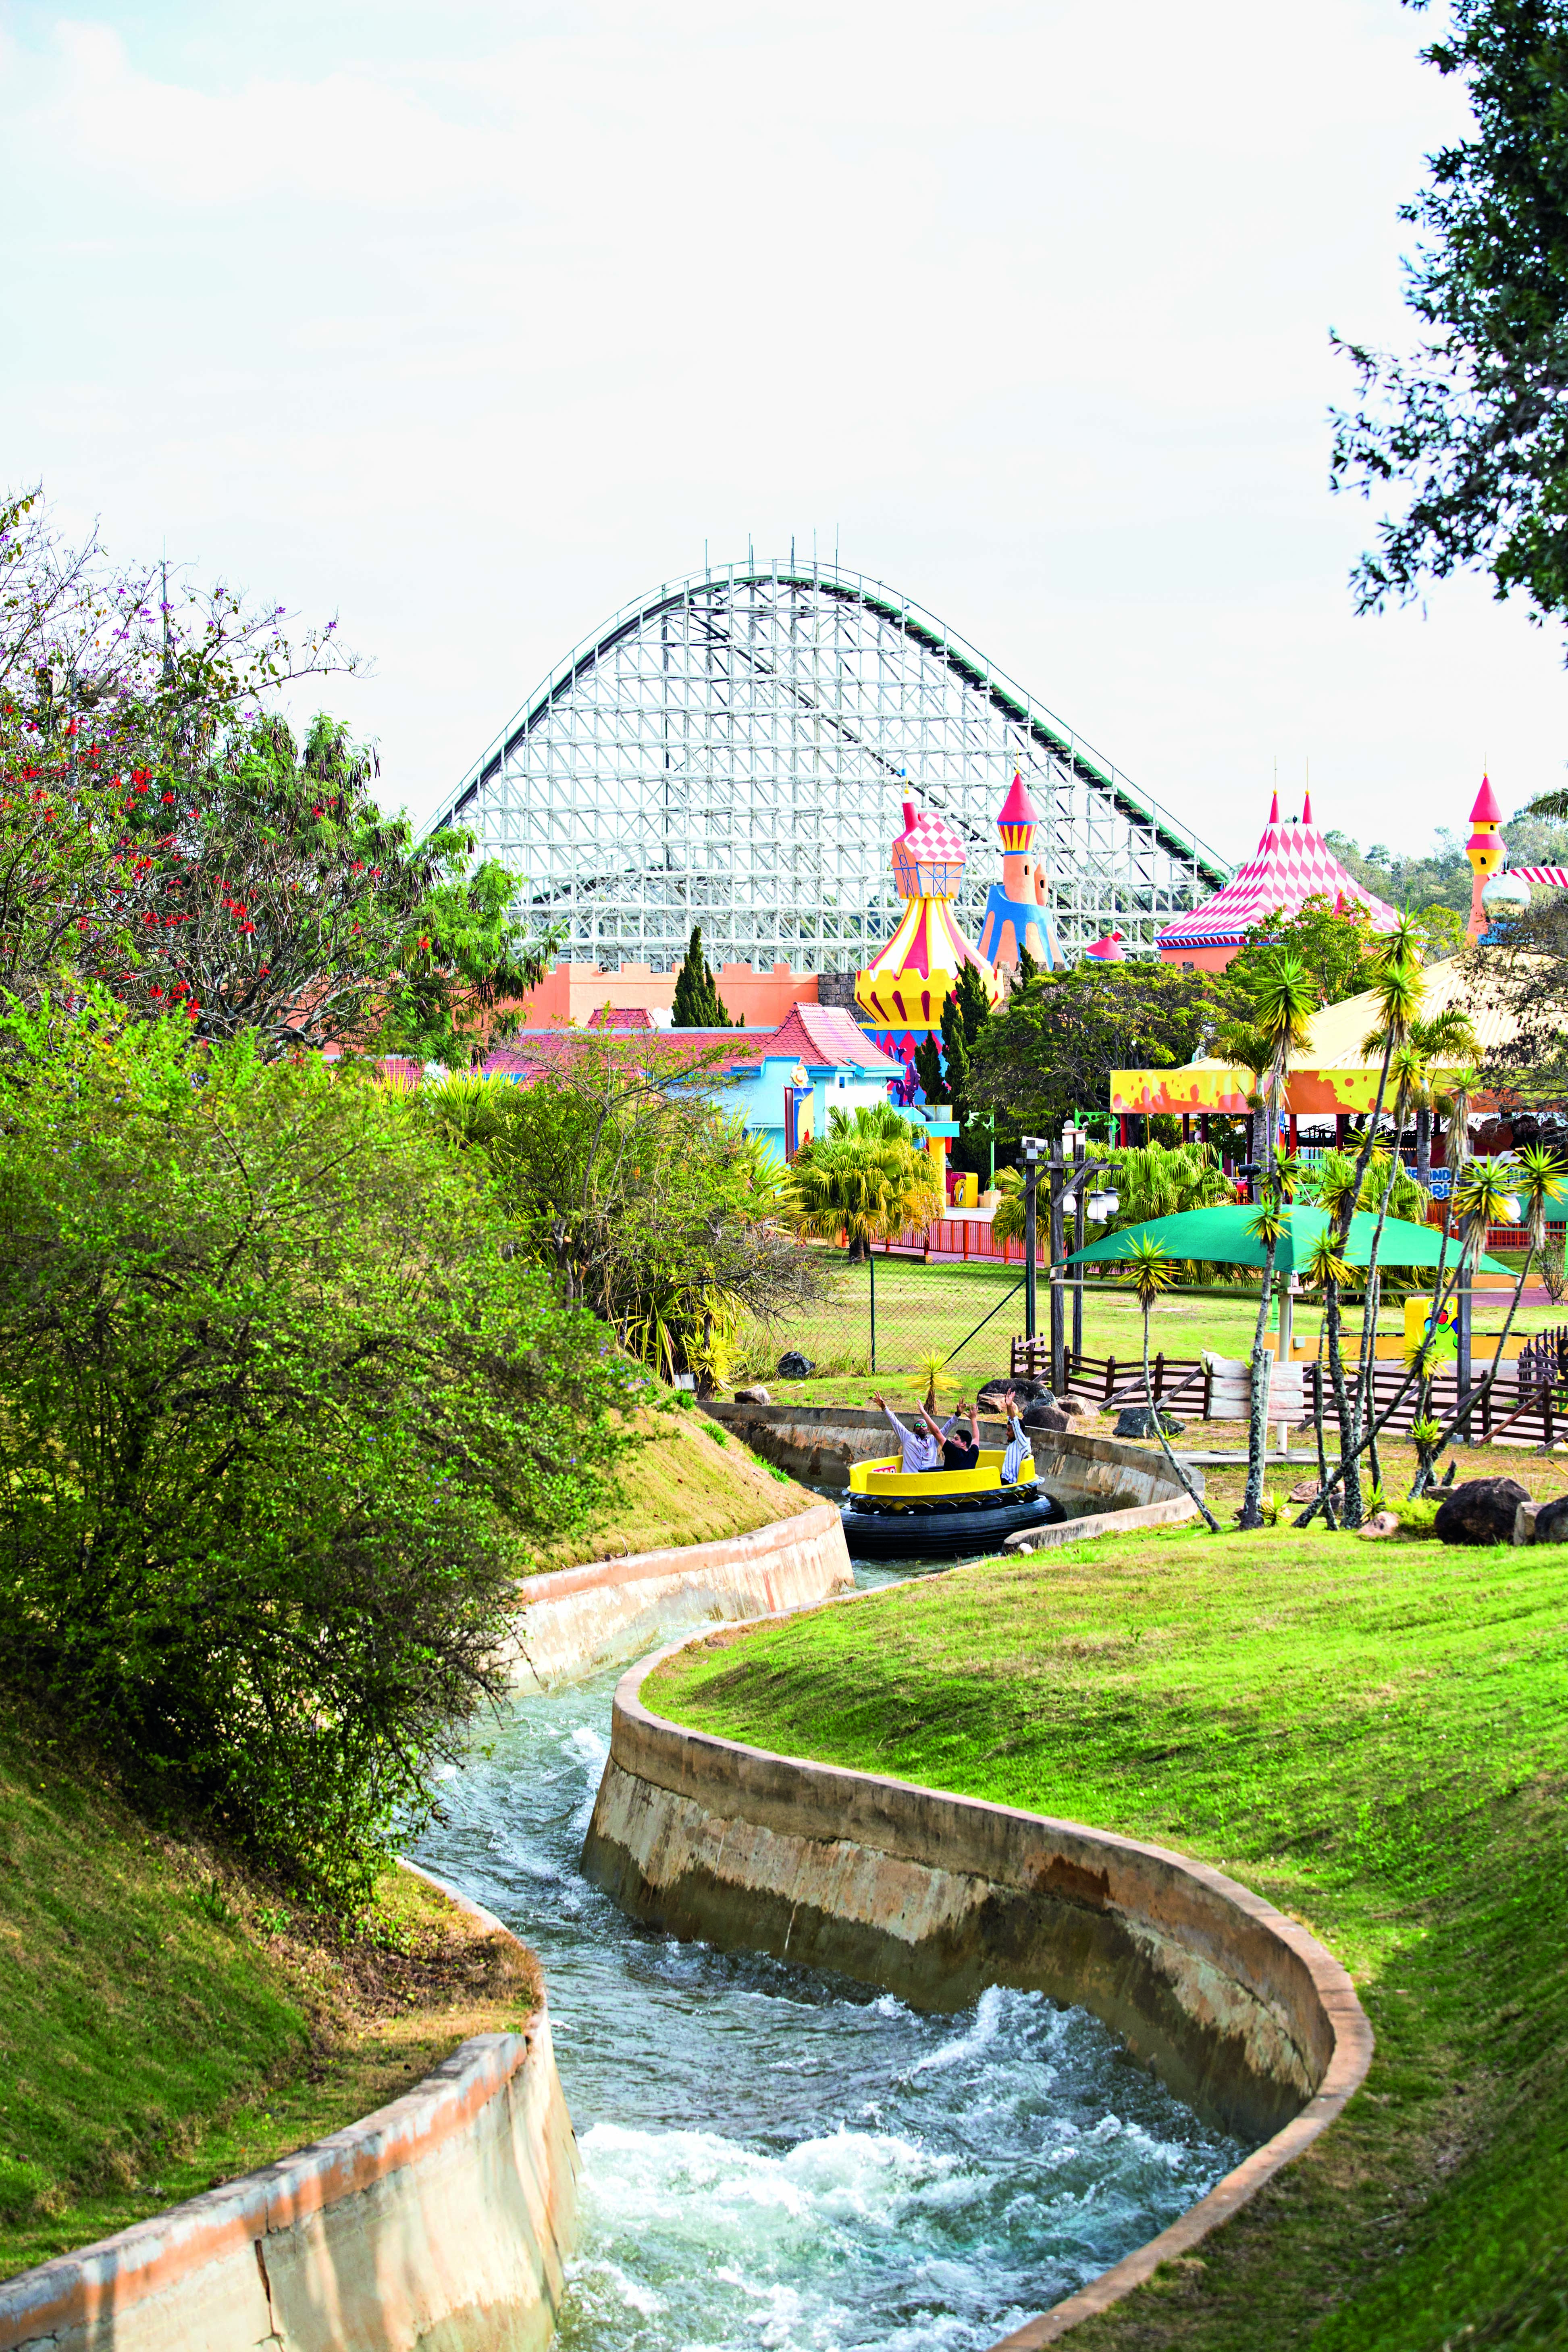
169,2019
688,1482
1373,1736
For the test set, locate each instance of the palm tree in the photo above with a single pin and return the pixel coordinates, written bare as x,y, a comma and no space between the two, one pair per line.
1284,1003
1152,1274
1437,1039
868,1178
1397,985
1337,1190
1326,1271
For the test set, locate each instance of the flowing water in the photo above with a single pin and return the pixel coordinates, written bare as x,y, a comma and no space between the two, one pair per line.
776,2158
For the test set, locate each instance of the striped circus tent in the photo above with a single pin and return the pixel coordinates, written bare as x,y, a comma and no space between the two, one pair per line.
1291,864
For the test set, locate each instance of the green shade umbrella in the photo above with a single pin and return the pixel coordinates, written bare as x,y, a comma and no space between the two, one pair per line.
1225,1237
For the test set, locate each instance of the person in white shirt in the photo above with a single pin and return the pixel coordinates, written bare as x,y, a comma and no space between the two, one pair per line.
921,1448
1017,1442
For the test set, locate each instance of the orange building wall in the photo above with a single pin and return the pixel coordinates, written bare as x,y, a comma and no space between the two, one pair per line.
573,992
1200,958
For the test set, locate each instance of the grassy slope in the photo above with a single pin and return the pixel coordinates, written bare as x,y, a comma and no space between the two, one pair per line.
167,2023
1375,1737
690,1483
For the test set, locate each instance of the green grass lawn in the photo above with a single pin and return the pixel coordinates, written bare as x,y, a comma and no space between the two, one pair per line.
1373,1736
168,2021
924,1308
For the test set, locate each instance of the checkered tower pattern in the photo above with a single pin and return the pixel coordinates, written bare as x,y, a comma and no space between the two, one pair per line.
929,857
1291,864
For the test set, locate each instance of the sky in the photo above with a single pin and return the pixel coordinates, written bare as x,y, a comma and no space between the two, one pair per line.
471,323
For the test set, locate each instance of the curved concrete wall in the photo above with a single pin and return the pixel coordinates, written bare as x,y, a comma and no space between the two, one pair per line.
934,1897
442,2220
611,1610
821,1443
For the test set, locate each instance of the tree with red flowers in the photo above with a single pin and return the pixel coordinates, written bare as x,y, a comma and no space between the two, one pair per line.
162,833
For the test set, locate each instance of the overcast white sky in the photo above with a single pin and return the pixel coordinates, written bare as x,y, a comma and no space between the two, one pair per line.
471,322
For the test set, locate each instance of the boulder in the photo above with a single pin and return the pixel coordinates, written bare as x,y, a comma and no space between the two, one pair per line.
1046,1415
794,1366
1137,1420
1306,1493
1380,1524
753,1396
989,1398
1551,1521
1081,1407
1481,1511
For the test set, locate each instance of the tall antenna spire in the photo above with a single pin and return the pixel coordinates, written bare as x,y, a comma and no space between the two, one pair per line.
168,645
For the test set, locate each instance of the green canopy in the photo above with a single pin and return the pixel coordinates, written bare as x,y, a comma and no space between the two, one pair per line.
1225,1237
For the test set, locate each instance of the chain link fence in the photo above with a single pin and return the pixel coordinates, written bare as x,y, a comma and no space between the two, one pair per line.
881,1318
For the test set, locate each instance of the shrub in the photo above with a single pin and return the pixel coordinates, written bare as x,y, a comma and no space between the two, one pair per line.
279,1414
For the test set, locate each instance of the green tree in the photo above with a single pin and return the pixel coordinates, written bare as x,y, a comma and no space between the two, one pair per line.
1474,427
1335,948
281,1418
697,1004
1054,1047
648,1201
867,1178
281,901
945,1075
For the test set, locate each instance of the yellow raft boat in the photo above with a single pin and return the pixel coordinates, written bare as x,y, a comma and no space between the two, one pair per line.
896,1514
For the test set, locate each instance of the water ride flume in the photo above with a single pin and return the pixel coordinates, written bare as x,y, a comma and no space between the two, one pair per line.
895,1513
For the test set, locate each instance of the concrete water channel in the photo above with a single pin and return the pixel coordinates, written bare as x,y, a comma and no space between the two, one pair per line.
777,2157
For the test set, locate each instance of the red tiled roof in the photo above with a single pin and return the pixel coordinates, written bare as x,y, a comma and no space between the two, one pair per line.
621,1016
826,1034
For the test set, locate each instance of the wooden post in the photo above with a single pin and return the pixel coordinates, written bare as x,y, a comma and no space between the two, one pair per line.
1109,1378
1159,1373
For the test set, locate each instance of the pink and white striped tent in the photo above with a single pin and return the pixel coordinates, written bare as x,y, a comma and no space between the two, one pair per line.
1291,864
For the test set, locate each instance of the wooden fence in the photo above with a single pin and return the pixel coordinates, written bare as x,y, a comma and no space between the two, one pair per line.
1531,1410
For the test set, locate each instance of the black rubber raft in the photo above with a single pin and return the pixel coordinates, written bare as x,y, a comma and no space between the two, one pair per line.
951,1527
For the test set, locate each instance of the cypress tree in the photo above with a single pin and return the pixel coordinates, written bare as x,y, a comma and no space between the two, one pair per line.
697,1004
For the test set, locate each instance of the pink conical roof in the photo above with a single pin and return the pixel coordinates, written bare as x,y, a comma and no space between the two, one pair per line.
1485,810
1017,809
1291,864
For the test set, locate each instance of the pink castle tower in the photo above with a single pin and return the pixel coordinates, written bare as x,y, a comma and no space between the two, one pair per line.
1017,915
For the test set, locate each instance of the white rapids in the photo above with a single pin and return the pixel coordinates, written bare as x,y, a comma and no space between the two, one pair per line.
774,2157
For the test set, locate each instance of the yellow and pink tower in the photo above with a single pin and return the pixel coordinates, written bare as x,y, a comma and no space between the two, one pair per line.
904,989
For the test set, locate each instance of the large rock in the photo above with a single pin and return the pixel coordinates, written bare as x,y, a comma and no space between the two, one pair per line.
1137,1420
794,1366
1551,1521
1081,1407
1046,1415
989,1398
1481,1511
753,1396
